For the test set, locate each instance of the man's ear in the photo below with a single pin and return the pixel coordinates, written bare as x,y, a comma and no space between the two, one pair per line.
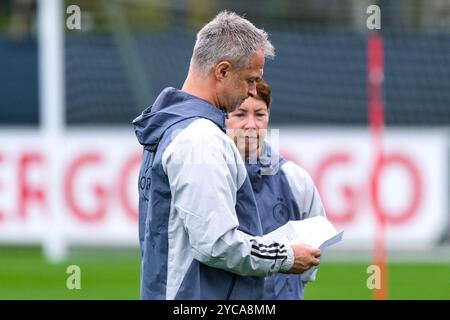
222,70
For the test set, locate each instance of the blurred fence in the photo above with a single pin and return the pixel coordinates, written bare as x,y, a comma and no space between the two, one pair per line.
318,77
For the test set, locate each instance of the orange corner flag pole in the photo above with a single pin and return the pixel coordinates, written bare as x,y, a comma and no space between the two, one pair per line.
376,122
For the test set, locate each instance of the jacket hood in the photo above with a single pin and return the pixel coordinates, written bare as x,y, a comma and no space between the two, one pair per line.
169,108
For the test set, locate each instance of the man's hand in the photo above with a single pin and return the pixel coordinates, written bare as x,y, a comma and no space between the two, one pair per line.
304,258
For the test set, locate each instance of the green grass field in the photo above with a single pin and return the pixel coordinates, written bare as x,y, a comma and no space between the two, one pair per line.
114,274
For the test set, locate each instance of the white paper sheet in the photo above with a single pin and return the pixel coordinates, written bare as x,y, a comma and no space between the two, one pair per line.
317,232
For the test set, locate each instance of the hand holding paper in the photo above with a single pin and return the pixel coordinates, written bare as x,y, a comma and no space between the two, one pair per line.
316,232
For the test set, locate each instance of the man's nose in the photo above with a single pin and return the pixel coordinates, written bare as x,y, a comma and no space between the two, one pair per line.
252,90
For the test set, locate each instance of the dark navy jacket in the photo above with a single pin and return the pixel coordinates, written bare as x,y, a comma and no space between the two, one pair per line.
283,192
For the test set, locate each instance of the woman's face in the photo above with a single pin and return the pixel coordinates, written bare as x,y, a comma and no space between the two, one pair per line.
247,126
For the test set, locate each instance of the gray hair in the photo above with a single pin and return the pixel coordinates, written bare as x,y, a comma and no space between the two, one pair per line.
229,37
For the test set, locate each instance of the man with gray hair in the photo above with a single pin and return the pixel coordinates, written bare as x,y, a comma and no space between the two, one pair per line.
199,228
